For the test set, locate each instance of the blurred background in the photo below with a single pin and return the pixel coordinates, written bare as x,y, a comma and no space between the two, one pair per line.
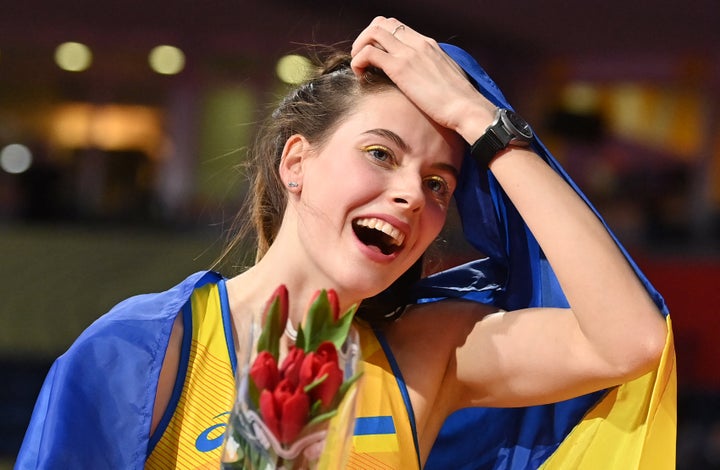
122,124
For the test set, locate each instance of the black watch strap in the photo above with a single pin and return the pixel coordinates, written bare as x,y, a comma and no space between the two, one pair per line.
507,129
486,147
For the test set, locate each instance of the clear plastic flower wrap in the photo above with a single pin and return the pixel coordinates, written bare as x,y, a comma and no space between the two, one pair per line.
296,393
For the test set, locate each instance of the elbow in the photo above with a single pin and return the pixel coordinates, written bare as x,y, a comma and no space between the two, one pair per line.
644,353
647,358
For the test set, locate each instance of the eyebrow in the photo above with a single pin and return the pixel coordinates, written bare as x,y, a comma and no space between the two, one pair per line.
449,168
397,140
388,134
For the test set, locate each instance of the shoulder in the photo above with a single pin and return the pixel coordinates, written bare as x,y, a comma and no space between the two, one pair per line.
442,319
428,334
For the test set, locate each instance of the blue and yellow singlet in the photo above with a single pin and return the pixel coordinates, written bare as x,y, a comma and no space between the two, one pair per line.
190,433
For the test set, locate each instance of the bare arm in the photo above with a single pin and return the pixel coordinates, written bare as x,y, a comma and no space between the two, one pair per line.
612,332
168,373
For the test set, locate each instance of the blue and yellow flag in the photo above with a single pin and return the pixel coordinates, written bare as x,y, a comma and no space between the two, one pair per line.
96,404
632,426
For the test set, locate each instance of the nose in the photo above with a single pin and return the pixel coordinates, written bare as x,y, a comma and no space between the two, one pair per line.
408,193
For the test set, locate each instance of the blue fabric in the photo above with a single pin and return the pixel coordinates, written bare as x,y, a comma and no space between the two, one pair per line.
95,407
514,275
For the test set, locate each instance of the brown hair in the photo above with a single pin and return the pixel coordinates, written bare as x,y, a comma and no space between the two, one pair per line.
314,110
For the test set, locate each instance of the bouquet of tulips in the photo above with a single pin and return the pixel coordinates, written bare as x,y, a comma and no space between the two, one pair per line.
295,397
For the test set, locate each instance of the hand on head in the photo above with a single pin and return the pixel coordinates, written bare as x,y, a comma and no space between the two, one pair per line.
424,73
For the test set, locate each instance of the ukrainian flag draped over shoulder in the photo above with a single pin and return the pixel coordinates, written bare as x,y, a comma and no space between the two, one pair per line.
632,426
96,404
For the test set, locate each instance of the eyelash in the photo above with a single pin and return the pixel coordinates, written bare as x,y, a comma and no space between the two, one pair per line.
371,149
444,186
441,193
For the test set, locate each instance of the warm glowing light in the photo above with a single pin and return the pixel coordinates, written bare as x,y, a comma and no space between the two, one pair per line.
15,158
167,60
667,119
581,98
73,56
293,69
110,127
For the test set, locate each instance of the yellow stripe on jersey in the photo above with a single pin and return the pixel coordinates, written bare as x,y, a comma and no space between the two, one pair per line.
194,434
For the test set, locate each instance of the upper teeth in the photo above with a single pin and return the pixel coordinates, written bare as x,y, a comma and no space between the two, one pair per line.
395,234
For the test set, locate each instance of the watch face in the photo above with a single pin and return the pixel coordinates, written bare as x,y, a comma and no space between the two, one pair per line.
520,124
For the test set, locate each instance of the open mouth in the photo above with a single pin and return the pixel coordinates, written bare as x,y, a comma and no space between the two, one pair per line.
379,235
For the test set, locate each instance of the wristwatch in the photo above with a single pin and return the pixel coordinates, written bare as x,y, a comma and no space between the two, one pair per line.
508,128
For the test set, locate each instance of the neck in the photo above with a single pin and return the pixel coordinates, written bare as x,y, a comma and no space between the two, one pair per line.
249,291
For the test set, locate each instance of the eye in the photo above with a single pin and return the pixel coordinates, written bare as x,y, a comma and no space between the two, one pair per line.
438,186
379,153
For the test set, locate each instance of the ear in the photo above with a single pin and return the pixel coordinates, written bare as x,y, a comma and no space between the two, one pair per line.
292,161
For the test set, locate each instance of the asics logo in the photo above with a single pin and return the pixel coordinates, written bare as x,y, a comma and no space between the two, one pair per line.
203,443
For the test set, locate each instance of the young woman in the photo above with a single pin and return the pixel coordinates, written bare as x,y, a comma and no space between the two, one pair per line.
356,170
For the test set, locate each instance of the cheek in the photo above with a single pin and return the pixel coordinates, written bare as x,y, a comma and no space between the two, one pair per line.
338,187
433,222
356,181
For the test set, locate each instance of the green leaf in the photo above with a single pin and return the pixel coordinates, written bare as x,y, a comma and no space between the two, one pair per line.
253,392
315,383
315,408
272,330
322,417
300,340
345,386
318,315
320,325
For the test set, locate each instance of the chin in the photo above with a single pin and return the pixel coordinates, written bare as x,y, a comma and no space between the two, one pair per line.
360,288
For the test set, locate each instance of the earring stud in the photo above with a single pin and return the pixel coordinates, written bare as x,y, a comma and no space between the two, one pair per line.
293,184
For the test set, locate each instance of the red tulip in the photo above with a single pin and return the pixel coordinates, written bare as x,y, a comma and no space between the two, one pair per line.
290,368
319,364
264,371
326,390
285,411
334,304
281,293
295,412
269,412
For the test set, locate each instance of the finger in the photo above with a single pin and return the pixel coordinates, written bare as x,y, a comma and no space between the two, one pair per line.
361,38
378,33
366,57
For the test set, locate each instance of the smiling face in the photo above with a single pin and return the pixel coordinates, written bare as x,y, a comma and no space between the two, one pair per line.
373,196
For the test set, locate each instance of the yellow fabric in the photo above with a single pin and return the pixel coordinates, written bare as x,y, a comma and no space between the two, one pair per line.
632,427
207,394
380,397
